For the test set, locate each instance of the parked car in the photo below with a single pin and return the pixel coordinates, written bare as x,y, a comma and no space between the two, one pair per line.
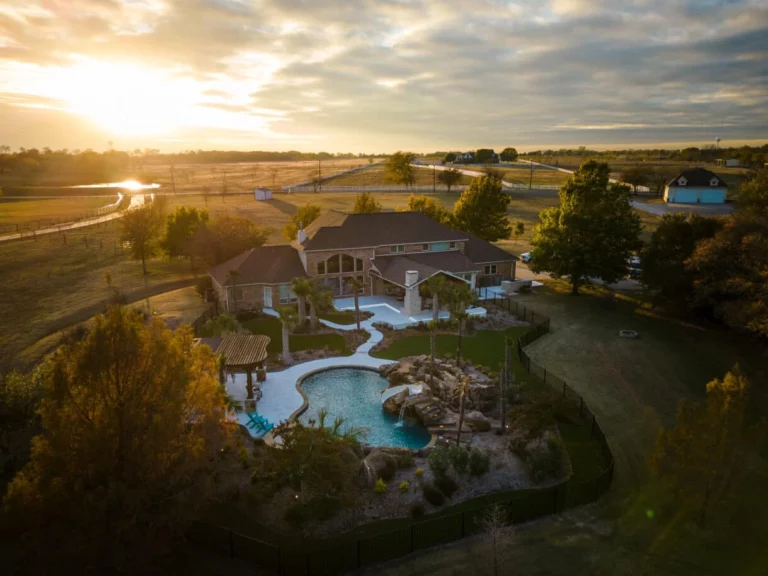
525,257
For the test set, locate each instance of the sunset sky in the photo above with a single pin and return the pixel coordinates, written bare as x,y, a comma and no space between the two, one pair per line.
380,75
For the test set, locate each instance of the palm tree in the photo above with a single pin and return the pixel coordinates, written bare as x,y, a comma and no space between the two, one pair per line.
462,394
436,286
432,325
233,274
460,298
319,298
357,283
302,287
353,434
288,319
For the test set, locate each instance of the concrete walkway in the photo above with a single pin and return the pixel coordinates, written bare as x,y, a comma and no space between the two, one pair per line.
280,398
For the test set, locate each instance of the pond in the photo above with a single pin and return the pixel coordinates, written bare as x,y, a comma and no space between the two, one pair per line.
355,395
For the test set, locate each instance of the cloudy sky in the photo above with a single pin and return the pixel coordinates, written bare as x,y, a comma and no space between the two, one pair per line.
380,75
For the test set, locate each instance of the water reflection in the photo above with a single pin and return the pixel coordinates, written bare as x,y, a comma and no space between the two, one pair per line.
125,185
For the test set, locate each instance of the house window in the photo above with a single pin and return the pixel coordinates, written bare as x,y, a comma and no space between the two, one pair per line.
321,268
452,245
713,182
440,246
490,269
286,294
332,265
358,265
425,247
398,248
682,181
238,294
347,263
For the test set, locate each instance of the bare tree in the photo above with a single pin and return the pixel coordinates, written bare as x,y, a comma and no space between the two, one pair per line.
273,172
495,524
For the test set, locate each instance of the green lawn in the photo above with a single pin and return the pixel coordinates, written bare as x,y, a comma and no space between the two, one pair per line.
271,327
342,317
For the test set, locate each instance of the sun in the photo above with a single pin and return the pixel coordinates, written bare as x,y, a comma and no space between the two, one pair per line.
127,99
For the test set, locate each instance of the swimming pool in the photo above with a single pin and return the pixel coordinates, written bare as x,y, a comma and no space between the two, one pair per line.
355,395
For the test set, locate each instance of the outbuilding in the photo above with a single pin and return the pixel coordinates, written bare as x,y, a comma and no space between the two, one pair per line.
262,194
696,186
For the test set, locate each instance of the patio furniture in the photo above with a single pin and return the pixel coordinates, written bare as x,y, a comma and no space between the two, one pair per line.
258,424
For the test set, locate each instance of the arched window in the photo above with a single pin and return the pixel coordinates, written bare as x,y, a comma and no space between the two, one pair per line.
347,263
332,265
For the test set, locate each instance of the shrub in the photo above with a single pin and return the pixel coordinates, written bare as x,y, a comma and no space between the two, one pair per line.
479,462
382,464
302,327
203,286
446,485
546,463
433,495
404,486
404,460
419,472
380,487
417,510
244,457
459,458
318,509
438,461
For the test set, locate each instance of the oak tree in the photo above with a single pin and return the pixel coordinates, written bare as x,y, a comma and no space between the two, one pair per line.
365,203
482,209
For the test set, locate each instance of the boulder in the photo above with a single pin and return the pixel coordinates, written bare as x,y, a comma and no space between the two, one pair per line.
477,421
378,464
394,403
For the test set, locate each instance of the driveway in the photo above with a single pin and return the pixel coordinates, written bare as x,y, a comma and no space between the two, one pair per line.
625,285
662,208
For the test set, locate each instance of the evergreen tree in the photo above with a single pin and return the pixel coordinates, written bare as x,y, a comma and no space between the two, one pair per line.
482,209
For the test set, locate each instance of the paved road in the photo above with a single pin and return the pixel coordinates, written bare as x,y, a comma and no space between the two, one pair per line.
662,208
136,201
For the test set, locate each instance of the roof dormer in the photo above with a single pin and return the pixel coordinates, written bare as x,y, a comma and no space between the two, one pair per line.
714,182
682,181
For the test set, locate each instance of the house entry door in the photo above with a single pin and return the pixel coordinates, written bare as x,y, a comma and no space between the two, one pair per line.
268,296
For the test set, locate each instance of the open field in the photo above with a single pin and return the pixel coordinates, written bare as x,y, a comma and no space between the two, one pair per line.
377,176
43,213
522,175
234,177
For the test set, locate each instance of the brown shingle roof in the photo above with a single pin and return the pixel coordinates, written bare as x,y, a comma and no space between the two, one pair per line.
263,265
480,251
393,268
334,230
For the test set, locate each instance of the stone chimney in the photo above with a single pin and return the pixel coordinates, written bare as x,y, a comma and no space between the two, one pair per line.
412,300
301,235
411,277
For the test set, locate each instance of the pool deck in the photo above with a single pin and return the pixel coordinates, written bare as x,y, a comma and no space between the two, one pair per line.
280,398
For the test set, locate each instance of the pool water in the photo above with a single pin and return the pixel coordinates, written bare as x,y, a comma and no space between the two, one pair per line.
355,395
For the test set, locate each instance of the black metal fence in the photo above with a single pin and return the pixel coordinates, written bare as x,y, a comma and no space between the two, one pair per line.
336,557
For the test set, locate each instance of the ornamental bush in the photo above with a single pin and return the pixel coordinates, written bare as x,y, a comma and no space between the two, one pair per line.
479,462
380,486
433,495
459,458
439,461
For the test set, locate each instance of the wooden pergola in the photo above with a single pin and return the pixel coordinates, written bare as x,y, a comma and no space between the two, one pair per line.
244,352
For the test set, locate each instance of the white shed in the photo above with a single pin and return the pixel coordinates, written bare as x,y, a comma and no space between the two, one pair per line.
262,194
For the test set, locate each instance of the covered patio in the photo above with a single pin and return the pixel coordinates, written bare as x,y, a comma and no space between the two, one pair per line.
245,353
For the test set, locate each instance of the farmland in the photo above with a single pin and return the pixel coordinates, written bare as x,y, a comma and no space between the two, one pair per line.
41,213
377,176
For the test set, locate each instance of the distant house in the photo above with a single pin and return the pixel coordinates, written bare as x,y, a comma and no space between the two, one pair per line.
696,186
393,253
464,158
729,163
262,194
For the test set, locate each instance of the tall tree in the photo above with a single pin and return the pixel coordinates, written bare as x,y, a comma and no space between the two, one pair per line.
635,176
302,287
357,283
181,227
400,169
698,457
484,156
731,272
508,155
437,288
663,259
288,322
449,158
141,228
463,391
320,298
450,177
226,237
519,230
482,209
365,203
133,420
429,207
460,298
304,216
753,193
591,234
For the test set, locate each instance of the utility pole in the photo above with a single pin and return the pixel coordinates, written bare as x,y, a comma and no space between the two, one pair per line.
434,179
319,175
530,181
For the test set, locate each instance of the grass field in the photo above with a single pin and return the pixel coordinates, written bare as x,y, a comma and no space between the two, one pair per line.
540,176
377,176
273,328
42,213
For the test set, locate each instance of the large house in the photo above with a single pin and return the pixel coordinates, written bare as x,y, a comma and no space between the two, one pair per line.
696,186
393,252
